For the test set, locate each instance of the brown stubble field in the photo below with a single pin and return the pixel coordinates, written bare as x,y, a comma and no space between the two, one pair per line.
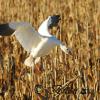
66,77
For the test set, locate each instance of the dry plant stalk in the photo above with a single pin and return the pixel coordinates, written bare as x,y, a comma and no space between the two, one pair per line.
80,30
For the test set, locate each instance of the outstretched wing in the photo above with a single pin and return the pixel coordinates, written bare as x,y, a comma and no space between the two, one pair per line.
24,32
28,37
49,23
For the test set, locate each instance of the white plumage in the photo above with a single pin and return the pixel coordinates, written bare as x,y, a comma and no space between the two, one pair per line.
39,43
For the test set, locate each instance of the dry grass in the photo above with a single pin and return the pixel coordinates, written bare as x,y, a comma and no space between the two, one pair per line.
80,30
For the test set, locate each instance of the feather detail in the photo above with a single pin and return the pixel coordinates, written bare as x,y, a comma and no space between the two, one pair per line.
29,61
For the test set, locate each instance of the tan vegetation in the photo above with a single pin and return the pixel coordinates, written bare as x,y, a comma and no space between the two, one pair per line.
65,77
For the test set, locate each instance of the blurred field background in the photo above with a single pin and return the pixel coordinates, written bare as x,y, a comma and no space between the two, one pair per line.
65,77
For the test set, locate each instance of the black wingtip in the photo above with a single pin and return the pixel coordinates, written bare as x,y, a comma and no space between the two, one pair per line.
57,17
53,21
6,30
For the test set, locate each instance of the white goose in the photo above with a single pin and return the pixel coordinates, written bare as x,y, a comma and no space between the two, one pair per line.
39,43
